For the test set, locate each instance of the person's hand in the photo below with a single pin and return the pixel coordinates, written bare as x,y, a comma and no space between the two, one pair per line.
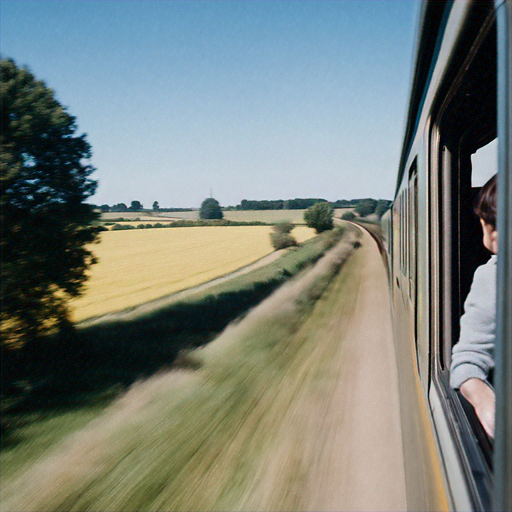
482,398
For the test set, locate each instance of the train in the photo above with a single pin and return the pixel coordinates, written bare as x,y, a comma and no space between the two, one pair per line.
457,131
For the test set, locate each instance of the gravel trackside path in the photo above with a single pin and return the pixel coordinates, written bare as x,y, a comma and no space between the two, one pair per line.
360,463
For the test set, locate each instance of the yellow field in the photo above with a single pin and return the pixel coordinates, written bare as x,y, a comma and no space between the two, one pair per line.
269,216
138,266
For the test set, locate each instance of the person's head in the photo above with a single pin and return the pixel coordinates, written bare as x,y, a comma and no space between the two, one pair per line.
485,208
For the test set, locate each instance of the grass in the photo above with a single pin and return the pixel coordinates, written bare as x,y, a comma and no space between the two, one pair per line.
138,266
66,381
231,435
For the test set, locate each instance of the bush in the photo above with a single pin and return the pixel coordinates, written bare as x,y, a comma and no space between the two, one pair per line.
281,237
348,216
319,217
283,227
366,207
120,227
210,209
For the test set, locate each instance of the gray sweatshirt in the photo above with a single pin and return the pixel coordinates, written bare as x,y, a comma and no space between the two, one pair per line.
473,355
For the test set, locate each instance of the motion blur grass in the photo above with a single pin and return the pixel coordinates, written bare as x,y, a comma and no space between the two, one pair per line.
229,435
70,379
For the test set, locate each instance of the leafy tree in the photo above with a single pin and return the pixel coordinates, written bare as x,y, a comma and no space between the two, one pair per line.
156,206
281,237
119,207
319,217
365,207
105,208
46,224
136,206
210,209
382,207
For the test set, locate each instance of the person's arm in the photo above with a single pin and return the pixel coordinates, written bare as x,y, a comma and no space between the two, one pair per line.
482,398
473,355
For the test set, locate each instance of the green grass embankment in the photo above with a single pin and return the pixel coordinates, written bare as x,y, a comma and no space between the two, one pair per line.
70,380
232,434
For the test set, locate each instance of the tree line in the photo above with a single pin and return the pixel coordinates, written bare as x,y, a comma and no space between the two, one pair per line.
136,206
363,207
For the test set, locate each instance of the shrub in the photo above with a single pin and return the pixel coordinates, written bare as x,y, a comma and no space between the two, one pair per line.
120,227
348,216
283,227
210,209
319,217
366,207
281,237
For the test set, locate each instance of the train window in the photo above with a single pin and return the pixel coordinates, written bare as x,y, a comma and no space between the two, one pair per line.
466,127
413,231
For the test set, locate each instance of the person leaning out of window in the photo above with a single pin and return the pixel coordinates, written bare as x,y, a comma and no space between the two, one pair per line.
473,355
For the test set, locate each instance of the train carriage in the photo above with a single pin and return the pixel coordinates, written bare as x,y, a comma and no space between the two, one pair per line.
460,109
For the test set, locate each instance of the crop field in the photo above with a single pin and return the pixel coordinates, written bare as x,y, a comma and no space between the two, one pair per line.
138,266
268,216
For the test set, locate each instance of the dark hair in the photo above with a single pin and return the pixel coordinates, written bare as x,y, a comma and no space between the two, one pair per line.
485,205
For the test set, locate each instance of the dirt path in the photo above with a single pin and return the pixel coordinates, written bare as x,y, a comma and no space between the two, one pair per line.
360,466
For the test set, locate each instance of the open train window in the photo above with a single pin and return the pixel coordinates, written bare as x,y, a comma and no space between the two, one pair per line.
466,128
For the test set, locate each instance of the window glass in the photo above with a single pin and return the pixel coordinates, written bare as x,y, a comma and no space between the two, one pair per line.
484,164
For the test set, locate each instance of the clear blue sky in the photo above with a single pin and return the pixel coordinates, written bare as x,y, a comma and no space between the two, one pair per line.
249,99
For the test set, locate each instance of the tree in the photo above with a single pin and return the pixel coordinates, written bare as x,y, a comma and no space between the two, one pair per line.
210,209
319,217
136,206
119,207
156,206
46,224
281,237
365,207
382,207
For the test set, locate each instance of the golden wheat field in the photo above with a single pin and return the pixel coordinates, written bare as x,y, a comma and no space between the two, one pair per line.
270,216
141,265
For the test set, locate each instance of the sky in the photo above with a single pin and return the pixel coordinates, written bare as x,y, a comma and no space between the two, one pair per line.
261,99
